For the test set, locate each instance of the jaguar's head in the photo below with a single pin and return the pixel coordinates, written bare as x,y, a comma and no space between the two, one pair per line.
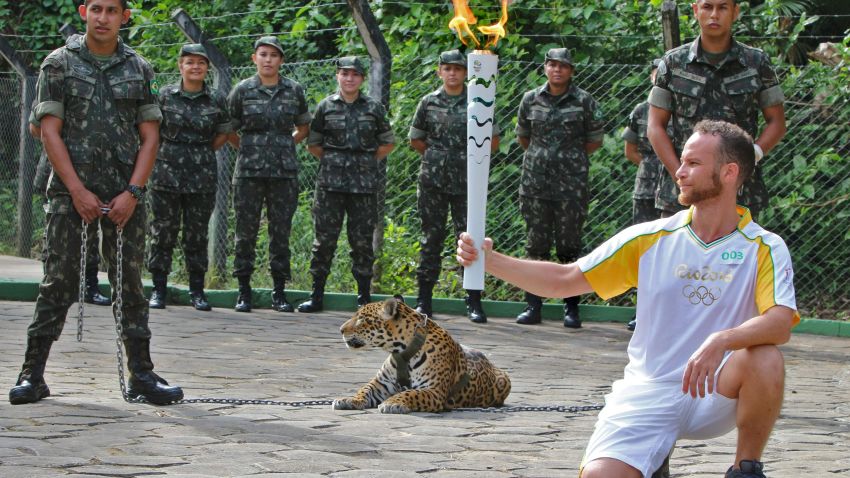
389,325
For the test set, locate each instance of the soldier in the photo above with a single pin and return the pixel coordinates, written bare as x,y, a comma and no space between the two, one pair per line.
640,152
558,125
100,128
270,114
438,133
714,77
349,136
43,171
195,123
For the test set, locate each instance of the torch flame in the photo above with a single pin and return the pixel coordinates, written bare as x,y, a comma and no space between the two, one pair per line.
496,31
464,18
461,21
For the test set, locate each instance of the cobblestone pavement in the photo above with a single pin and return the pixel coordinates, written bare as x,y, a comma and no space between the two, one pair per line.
85,429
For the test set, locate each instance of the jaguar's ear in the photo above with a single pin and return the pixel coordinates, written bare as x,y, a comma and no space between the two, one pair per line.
399,298
392,308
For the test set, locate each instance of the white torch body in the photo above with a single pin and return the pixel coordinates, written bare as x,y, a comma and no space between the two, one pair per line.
481,104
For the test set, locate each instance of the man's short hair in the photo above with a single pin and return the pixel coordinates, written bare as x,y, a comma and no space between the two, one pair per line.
124,4
735,145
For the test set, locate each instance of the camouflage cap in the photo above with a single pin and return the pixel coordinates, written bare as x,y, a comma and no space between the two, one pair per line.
452,57
351,63
559,54
269,41
194,49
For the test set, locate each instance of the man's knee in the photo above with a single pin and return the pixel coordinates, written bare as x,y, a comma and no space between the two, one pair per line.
608,467
766,362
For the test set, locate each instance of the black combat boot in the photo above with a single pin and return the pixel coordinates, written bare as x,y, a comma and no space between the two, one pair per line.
143,382
364,291
279,302
317,297
244,301
423,302
632,324
160,289
533,312
30,386
474,309
196,291
571,318
92,293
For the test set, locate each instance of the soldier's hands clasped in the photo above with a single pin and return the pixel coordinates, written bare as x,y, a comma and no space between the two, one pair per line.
87,205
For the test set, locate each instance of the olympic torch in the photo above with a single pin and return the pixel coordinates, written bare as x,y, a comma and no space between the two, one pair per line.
482,69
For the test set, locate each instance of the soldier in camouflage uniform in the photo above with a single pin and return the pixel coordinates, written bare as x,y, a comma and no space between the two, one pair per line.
559,125
438,133
43,170
195,123
349,135
270,114
714,77
100,127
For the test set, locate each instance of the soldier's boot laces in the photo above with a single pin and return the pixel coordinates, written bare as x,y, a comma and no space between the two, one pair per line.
196,292
364,294
532,313
92,293
748,469
423,301
316,301
474,309
160,289
571,317
30,386
143,382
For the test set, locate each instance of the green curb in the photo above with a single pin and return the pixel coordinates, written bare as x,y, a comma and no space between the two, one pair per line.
179,295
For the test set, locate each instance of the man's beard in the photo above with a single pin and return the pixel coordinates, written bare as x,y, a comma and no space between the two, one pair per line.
698,195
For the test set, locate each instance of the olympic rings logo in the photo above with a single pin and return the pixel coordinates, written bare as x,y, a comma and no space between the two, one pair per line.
701,295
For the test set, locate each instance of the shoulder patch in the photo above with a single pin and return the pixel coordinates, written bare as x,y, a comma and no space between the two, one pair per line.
597,114
154,86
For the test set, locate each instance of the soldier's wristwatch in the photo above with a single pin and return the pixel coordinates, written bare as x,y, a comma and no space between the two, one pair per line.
138,192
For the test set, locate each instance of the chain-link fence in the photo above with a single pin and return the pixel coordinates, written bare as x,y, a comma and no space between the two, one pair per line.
807,174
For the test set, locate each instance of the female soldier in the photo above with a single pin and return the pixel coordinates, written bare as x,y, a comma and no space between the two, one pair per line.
270,114
195,123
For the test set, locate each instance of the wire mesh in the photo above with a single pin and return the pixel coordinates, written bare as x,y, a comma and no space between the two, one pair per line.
807,174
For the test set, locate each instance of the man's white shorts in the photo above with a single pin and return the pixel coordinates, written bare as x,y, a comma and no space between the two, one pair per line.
641,422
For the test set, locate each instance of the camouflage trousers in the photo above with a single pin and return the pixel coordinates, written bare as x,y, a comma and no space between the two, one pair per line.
60,287
92,252
168,211
329,210
643,210
434,206
280,196
548,222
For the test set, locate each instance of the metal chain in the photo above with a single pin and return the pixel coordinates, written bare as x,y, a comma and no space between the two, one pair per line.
119,315
84,239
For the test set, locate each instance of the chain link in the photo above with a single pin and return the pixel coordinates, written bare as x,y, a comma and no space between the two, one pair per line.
81,298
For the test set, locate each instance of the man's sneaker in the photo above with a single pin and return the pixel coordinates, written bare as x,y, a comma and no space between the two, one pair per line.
749,469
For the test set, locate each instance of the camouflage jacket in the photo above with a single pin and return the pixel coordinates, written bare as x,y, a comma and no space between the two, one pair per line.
440,121
265,119
349,134
650,167
555,164
186,162
101,105
693,89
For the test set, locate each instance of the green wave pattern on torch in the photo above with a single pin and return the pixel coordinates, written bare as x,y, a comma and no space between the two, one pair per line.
484,102
481,81
479,123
